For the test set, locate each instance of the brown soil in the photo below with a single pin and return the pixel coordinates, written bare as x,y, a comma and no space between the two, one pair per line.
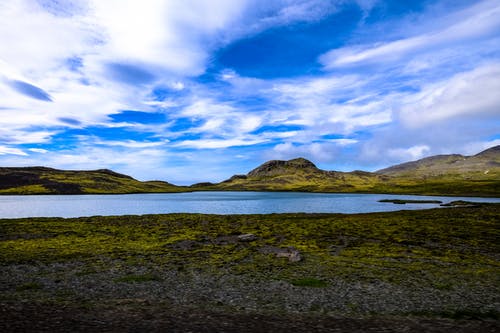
136,316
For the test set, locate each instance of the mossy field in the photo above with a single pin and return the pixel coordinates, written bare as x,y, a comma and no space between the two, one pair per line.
438,265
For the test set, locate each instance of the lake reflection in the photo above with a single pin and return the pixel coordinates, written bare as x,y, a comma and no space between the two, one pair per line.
13,206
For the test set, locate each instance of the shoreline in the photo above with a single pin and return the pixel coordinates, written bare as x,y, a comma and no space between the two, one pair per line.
190,190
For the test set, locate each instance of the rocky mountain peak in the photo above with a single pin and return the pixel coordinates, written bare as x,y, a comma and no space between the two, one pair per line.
276,167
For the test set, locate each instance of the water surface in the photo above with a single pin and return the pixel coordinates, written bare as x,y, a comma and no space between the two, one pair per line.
14,206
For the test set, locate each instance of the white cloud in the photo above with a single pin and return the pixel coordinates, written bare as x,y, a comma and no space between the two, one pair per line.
314,103
143,163
325,151
478,21
473,93
38,150
39,41
168,34
130,143
11,151
23,135
88,47
343,142
217,144
221,121
408,154
325,87
79,43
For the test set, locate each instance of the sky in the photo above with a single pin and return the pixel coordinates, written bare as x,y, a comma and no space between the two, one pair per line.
198,90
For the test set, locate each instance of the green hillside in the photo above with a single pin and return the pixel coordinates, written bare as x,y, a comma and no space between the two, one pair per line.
41,180
297,175
477,175
454,174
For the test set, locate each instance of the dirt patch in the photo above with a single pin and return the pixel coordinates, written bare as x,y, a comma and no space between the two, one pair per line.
140,317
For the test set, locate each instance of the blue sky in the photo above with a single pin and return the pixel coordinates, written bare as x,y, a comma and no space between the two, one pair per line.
199,90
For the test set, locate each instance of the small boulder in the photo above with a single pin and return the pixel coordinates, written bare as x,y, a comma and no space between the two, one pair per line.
291,253
247,238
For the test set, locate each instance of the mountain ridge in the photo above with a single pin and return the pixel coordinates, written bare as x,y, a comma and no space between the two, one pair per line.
451,163
453,174
44,180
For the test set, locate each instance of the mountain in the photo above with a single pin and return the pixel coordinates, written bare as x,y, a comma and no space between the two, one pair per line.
441,165
437,175
42,180
297,175
477,175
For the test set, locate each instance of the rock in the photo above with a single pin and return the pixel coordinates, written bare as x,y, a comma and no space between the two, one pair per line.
184,245
291,253
247,238
225,240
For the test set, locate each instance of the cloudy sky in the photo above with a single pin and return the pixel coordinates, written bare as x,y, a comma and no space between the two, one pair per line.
199,90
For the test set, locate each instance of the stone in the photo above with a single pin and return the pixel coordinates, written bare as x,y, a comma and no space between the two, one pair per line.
291,253
247,238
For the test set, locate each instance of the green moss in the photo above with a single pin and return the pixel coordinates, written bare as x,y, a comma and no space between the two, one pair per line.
309,282
29,286
27,189
405,201
439,247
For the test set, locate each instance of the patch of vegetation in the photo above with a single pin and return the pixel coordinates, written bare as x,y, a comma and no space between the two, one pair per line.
309,282
29,286
461,203
405,201
390,246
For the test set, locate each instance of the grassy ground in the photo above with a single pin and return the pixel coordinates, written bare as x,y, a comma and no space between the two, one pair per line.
438,265
470,184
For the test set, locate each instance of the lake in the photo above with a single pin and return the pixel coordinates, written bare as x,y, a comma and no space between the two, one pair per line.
15,206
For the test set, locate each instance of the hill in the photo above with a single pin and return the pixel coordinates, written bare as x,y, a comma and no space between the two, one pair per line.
454,174
42,180
477,175
296,175
483,163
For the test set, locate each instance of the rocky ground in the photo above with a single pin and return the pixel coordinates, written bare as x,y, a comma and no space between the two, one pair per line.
387,272
121,298
130,316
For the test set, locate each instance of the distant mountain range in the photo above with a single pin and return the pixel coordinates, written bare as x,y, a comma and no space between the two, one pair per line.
477,175
442,174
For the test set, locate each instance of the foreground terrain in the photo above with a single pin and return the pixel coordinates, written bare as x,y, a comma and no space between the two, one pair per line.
434,270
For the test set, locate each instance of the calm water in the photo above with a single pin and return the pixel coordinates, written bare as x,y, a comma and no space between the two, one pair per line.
13,206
